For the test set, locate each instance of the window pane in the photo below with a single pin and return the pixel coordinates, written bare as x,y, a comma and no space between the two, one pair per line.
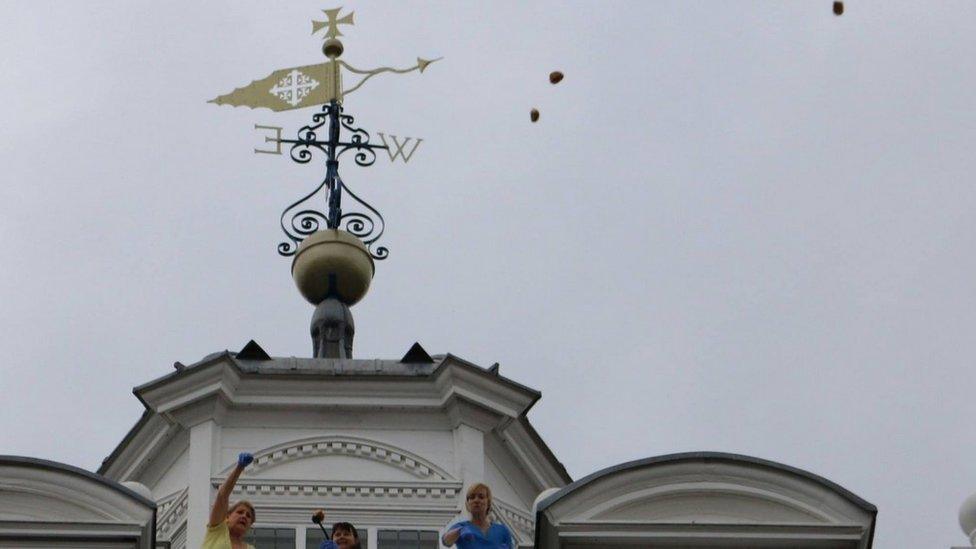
313,537
407,539
284,538
271,538
428,540
387,539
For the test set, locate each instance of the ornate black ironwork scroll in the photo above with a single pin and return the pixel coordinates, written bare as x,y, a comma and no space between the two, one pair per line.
301,218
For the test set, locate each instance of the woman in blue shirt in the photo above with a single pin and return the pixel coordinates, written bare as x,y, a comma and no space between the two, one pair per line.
479,532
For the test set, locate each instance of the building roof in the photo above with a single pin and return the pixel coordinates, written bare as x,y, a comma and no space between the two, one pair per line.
346,367
254,363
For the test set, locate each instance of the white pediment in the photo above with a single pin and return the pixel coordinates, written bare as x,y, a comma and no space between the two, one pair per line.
335,467
343,458
720,492
35,490
703,499
33,506
716,503
340,473
45,504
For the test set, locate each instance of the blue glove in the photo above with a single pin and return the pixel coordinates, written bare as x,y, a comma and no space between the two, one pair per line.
244,459
467,533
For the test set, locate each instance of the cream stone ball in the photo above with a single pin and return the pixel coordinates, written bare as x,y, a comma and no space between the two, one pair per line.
543,495
333,263
967,517
139,488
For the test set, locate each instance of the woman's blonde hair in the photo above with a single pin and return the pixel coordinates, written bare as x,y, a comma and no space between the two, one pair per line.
479,486
243,503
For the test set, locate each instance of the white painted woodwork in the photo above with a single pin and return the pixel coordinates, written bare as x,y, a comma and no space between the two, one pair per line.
379,450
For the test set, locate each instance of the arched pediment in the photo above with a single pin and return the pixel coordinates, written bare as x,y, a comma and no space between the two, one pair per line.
704,496
45,491
369,459
717,502
49,504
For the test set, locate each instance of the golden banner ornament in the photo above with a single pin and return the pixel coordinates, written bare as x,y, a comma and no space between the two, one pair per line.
305,86
288,89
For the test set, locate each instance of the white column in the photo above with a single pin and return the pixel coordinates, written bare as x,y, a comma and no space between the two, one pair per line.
203,451
469,456
374,538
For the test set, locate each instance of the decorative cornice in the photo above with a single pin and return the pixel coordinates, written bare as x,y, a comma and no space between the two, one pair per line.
348,446
520,522
406,516
217,379
464,412
223,377
170,513
538,465
177,539
343,489
133,455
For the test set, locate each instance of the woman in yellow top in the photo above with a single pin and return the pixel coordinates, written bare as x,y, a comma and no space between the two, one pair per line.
229,523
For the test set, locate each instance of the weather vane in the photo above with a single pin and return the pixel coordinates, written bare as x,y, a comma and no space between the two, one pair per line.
310,86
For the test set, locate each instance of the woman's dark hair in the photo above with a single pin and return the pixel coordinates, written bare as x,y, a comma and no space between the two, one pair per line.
347,527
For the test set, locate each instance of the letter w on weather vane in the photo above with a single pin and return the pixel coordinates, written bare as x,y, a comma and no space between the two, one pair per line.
310,86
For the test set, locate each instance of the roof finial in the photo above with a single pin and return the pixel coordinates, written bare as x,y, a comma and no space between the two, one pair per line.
333,22
334,246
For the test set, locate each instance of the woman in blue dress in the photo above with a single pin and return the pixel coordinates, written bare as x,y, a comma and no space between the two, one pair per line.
479,532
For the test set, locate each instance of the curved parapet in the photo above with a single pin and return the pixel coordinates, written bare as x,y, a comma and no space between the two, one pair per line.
54,503
703,498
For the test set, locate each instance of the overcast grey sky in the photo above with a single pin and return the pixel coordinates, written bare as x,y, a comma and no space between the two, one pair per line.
737,226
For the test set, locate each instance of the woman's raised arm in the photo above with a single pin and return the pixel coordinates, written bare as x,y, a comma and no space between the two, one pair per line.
219,510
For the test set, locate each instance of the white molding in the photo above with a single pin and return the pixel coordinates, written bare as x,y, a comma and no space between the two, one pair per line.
273,490
219,379
345,445
521,524
47,494
450,382
705,501
43,501
177,539
533,461
147,442
171,513
707,534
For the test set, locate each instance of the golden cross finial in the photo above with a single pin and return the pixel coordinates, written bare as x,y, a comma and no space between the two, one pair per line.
333,22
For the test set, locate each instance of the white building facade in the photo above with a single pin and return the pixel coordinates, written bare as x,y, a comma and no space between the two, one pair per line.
389,446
